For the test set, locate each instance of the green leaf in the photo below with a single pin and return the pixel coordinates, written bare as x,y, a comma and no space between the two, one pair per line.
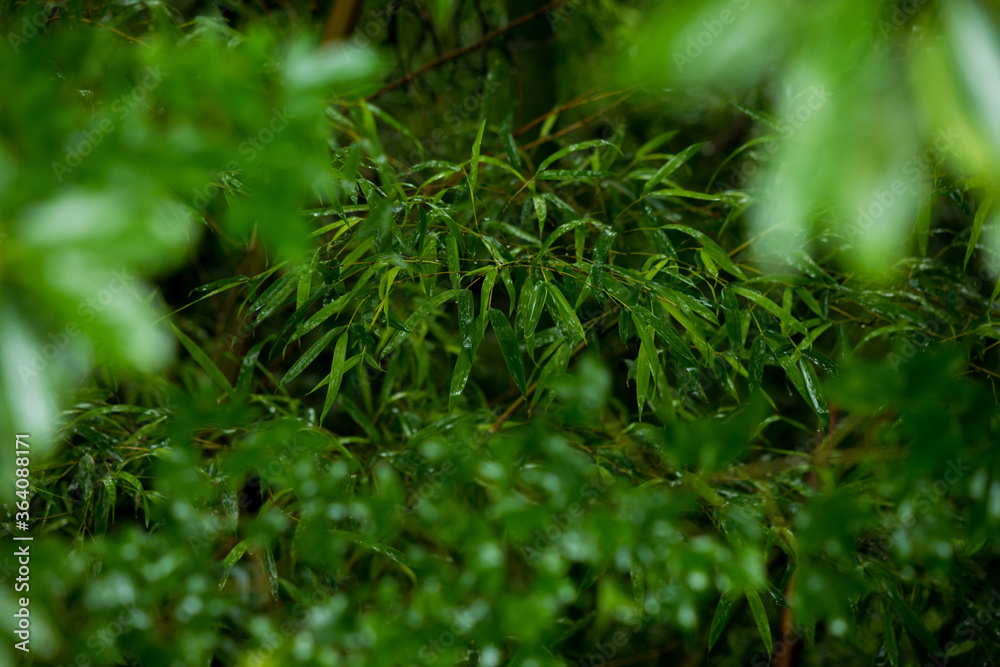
666,332
304,285
271,572
417,317
474,163
245,377
638,584
540,212
758,355
564,315
230,560
310,356
814,394
783,315
560,230
720,256
377,547
759,617
923,232
977,224
643,371
336,376
106,505
273,297
723,611
774,595
570,175
555,365
672,165
889,633
563,152
509,348
913,623
467,319
459,377
509,145
202,359
538,297
334,308
454,267
690,194
733,328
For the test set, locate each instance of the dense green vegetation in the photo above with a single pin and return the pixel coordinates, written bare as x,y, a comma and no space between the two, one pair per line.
620,334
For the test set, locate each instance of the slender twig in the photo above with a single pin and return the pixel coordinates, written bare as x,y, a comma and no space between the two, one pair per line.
462,50
136,40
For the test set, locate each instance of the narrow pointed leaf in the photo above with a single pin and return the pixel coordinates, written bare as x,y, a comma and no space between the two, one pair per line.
759,617
565,316
337,369
474,164
814,394
509,348
309,356
417,317
563,152
723,611
202,359
672,165
758,355
977,224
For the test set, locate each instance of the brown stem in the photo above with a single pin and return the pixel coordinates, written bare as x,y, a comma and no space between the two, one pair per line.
343,17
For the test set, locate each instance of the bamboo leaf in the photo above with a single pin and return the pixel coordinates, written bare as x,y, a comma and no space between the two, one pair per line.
758,355
336,376
509,348
474,163
271,572
733,328
231,559
914,625
889,633
638,584
377,547
723,612
783,315
643,371
540,212
814,394
202,359
417,317
309,356
564,315
672,165
563,152
720,256
759,617
977,224
454,267
459,377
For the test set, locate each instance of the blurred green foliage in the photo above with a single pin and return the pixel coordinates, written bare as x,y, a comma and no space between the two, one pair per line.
322,366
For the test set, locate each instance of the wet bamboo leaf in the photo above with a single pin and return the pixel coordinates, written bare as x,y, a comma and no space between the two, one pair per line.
210,368
759,617
564,315
336,376
417,317
509,348
672,165
723,611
